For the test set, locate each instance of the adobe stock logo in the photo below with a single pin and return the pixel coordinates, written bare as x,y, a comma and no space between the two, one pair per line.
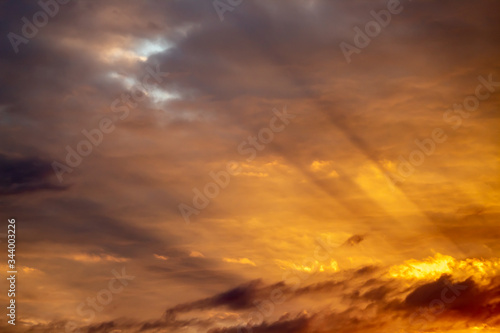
221,179
292,280
372,29
87,310
50,8
454,118
120,108
421,318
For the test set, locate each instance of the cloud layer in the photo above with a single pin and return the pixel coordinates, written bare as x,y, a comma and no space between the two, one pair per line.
116,112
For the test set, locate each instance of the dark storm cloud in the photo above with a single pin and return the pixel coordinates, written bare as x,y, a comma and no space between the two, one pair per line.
25,175
423,295
354,240
457,299
238,298
246,295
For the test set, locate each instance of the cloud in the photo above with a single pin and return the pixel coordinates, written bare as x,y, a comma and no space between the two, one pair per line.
296,325
240,297
354,240
85,257
326,173
483,270
245,261
425,294
377,309
196,254
26,175
158,256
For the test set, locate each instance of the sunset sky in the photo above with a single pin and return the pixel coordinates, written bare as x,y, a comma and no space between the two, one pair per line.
251,166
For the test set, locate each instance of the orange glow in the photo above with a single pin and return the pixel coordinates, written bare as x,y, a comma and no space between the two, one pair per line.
433,267
313,267
245,261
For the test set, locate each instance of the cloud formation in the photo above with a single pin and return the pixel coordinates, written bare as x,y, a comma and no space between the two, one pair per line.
353,180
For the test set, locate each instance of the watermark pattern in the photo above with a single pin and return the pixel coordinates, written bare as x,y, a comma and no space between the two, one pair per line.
12,270
453,117
372,29
221,179
29,30
87,310
120,108
266,308
424,315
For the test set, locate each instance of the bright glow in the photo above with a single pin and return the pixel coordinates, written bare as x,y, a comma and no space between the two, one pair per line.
141,52
324,167
433,267
157,256
128,82
118,54
27,269
156,94
245,261
149,47
196,254
319,165
159,95
84,257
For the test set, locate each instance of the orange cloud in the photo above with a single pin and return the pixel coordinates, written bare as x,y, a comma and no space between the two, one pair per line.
245,261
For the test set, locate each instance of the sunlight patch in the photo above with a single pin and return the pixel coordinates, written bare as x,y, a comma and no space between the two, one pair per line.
149,47
196,254
482,270
157,256
244,261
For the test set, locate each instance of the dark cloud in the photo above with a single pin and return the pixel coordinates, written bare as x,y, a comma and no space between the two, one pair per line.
462,299
471,302
297,325
376,294
238,298
425,294
25,175
366,270
354,240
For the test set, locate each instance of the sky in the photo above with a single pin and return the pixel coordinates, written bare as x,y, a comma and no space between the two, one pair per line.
251,166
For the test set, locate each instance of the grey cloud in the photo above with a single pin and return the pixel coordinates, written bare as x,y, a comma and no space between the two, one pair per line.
25,175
